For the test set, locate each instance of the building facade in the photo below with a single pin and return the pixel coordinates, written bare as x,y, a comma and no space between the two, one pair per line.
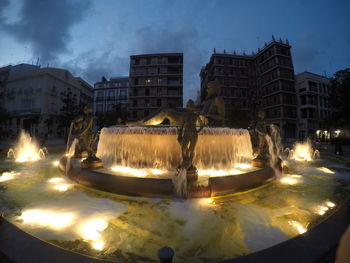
156,81
33,100
109,93
314,109
261,81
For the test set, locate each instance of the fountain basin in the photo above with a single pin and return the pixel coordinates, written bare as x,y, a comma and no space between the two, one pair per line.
18,245
157,187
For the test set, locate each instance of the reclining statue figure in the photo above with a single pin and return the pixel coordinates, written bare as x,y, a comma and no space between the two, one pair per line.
211,112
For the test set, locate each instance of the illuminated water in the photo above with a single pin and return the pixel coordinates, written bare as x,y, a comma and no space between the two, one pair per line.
157,147
39,200
26,149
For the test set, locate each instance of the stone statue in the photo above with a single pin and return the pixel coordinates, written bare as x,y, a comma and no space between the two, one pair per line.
82,127
261,129
187,137
211,112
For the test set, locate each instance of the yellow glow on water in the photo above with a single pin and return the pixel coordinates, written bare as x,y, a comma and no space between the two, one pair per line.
56,180
221,172
330,204
298,226
157,171
6,176
63,187
90,229
243,165
302,152
98,245
129,170
291,179
47,218
55,163
325,170
206,201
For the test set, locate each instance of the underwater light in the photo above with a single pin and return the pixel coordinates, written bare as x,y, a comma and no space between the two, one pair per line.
6,176
90,229
47,218
325,170
298,226
330,204
98,245
63,187
56,180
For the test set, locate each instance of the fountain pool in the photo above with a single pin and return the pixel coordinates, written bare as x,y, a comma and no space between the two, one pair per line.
38,199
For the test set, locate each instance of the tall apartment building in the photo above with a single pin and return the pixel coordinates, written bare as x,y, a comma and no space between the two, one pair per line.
33,98
156,80
313,104
108,93
261,81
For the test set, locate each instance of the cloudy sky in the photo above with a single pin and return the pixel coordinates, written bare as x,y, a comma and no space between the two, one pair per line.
94,38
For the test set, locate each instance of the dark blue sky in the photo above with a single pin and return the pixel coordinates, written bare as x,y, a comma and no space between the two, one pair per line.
95,38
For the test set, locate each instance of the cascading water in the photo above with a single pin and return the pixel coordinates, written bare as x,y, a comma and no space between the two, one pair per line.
69,136
158,147
26,150
70,153
180,183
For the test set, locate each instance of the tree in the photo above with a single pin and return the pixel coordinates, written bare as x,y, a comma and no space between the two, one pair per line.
117,115
340,98
4,116
69,111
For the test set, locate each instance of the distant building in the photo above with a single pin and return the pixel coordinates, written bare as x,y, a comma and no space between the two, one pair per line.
108,93
156,80
32,96
314,109
261,81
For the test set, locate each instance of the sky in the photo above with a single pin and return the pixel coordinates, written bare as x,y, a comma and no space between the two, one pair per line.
95,38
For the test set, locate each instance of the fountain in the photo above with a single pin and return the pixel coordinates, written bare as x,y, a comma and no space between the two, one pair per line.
303,152
26,150
128,200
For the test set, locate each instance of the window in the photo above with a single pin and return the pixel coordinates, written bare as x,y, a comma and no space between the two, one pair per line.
99,107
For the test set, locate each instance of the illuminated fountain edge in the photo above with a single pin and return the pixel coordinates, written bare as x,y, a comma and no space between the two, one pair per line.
159,147
157,187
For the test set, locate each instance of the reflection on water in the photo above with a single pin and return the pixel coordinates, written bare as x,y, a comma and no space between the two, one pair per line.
41,201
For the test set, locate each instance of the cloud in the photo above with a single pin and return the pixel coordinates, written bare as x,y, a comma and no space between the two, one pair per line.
92,64
306,52
178,37
46,25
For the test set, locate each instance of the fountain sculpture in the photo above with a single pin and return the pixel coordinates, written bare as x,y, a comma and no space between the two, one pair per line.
178,151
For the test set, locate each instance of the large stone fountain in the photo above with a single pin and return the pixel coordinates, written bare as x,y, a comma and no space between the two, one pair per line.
194,144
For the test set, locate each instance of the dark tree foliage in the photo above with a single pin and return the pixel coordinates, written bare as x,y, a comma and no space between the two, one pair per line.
116,116
340,98
69,111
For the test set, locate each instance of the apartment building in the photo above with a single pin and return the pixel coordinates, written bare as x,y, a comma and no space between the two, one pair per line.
109,93
156,81
314,109
259,81
33,99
